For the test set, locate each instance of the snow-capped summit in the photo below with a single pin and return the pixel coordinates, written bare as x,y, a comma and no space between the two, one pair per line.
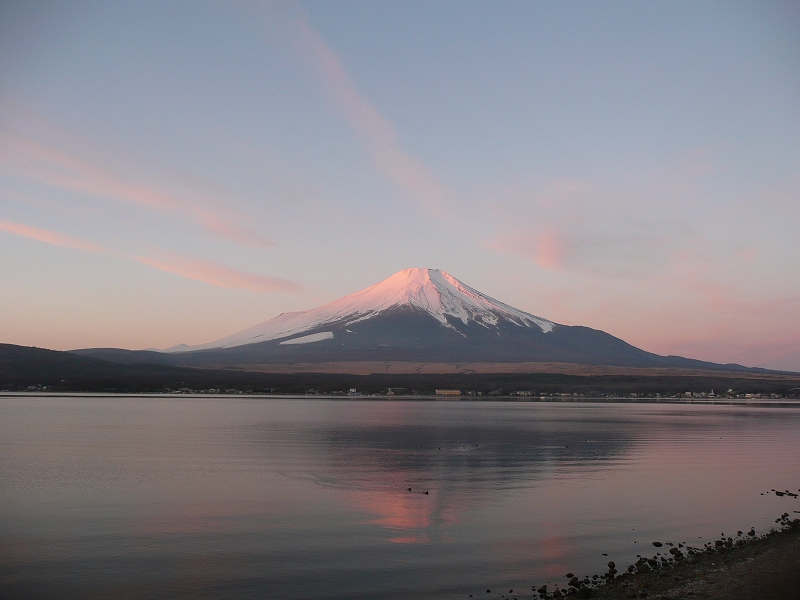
429,291
416,318
439,294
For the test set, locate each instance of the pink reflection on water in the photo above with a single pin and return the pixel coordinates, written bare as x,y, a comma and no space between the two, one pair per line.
410,515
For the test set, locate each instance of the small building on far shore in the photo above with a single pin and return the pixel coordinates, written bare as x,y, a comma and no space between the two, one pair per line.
448,392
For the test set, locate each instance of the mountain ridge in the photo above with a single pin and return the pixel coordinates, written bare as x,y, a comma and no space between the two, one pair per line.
435,292
413,316
38,370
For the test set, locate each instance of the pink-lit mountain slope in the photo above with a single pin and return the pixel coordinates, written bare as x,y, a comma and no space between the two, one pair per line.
416,315
429,291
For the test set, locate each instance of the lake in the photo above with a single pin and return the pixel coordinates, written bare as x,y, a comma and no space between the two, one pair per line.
256,497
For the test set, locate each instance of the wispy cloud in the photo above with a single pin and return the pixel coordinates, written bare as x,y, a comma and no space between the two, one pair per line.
188,267
618,254
379,135
50,237
216,274
53,167
632,228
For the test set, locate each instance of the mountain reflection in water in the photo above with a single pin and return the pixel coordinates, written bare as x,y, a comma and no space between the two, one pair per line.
295,498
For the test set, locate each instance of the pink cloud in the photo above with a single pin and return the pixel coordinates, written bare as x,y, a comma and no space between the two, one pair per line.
549,249
630,225
197,269
580,250
216,274
230,231
57,169
49,237
378,134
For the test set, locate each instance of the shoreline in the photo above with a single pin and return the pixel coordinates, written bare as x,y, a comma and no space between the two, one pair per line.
743,567
760,401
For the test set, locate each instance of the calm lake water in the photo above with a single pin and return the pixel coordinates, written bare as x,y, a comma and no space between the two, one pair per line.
246,497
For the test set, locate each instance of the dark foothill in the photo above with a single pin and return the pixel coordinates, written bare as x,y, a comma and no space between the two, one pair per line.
657,544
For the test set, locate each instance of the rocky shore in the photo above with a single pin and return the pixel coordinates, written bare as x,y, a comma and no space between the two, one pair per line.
740,567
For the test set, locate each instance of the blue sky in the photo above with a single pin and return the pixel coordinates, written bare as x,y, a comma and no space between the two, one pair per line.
174,172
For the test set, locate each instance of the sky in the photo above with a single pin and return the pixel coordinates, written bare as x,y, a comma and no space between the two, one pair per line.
174,172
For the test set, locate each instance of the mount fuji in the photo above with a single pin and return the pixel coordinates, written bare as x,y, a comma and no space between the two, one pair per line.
414,316
430,294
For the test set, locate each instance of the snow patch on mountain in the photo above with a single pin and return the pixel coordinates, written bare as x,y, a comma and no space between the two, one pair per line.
433,291
307,339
